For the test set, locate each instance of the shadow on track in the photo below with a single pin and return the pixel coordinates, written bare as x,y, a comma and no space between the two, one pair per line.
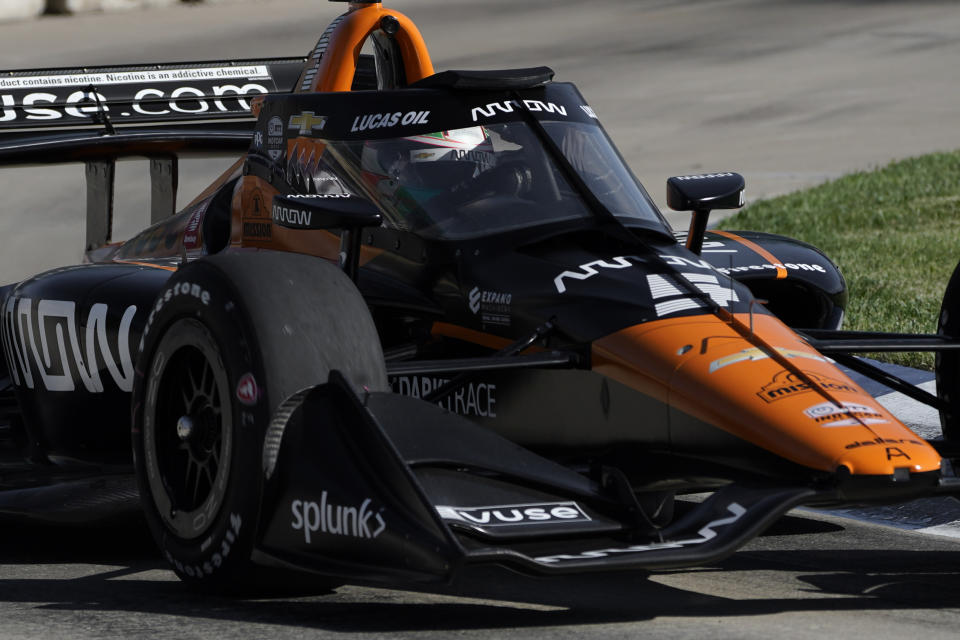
117,570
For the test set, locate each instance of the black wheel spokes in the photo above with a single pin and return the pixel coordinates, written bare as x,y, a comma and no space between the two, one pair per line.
188,433
192,478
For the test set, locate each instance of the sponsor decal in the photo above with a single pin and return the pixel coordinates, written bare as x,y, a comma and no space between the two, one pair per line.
704,176
179,289
258,230
319,195
42,341
258,207
589,111
134,77
681,261
182,289
307,122
291,217
484,159
215,560
336,520
493,306
711,246
257,139
707,533
474,300
589,270
786,385
64,94
753,354
827,414
275,138
191,238
675,300
515,514
477,399
878,441
386,120
257,225
790,266
507,106
275,127
248,392
716,247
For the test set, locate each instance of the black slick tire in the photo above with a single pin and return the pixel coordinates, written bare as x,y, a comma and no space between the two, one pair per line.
229,338
948,362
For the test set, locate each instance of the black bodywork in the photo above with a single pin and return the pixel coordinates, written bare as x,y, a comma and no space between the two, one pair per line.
416,489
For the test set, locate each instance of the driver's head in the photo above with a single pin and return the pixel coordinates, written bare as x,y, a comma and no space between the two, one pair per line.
426,165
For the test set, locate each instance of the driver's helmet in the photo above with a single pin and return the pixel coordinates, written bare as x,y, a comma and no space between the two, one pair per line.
421,167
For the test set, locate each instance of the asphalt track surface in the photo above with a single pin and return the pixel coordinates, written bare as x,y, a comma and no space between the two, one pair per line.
787,92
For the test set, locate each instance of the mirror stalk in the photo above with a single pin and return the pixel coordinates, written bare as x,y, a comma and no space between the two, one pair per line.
698,226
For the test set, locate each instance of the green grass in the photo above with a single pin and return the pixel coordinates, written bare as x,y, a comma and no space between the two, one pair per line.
894,232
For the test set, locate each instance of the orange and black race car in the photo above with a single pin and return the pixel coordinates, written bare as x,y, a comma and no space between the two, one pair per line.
426,320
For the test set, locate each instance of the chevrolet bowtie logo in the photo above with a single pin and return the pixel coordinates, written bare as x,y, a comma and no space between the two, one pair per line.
307,123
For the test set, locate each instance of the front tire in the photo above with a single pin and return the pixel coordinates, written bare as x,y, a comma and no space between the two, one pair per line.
228,339
948,362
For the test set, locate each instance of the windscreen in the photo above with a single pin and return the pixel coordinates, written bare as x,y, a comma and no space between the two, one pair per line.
591,154
457,165
463,183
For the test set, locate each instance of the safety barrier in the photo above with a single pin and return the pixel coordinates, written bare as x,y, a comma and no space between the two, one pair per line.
26,9
20,9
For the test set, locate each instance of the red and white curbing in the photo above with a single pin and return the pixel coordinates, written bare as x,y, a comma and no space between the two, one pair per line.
26,9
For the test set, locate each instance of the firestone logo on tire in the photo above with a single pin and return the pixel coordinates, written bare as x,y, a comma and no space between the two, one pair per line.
248,392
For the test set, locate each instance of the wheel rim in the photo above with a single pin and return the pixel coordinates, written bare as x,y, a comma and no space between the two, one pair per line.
188,434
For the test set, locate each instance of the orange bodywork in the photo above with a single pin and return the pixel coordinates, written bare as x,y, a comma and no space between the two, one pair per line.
339,62
753,246
469,335
707,367
701,366
252,224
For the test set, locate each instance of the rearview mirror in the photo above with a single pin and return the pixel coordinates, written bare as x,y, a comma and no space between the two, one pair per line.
700,194
329,211
705,192
324,211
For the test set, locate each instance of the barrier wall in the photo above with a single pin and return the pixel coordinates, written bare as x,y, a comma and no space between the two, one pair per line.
21,9
27,9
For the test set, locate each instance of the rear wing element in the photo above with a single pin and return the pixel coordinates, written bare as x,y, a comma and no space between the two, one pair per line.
159,111
140,95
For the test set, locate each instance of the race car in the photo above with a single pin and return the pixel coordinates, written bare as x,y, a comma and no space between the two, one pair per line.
425,320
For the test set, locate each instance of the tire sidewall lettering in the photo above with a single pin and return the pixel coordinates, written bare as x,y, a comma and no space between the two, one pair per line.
232,526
